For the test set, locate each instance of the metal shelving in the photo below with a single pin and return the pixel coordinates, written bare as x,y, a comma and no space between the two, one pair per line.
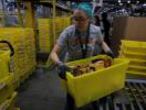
49,3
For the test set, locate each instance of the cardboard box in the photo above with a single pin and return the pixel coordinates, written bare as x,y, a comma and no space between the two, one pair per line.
130,28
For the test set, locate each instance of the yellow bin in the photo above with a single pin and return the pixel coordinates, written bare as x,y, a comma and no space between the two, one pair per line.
134,46
133,55
9,103
90,87
4,61
6,88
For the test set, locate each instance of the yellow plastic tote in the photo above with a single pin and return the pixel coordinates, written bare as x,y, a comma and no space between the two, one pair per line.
134,46
92,86
4,61
9,104
6,88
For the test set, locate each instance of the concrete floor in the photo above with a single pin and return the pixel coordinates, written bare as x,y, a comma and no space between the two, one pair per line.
42,91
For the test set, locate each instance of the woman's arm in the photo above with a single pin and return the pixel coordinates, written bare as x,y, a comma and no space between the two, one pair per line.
107,50
55,54
105,47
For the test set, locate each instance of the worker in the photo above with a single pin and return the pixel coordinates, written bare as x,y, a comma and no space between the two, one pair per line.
81,40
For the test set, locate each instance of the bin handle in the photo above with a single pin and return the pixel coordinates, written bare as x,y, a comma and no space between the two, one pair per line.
9,45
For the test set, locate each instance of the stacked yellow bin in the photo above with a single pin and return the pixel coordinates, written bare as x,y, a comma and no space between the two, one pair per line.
45,35
30,50
7,94
62,20
29,53
6,78
67,21
9,104
22,40
59,25
135,51
46,32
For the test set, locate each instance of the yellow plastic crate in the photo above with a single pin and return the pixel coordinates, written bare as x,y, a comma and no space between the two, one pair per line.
67,21
58,24
6,88
135,72
133,46
135,58
4,61
90,87
45,35
137,62
138,69
23,42
133,55
62,20
12,101
136,49
131,43
9,103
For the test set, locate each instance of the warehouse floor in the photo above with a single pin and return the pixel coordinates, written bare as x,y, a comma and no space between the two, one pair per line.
42,91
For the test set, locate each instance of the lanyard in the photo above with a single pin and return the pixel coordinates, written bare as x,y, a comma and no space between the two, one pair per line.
84,47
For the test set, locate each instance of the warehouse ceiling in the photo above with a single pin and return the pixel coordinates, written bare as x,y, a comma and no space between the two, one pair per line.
99,0
105,1
61,0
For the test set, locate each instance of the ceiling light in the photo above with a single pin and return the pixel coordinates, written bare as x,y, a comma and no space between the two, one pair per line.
119,1
137,2
144,4
120,4
128,1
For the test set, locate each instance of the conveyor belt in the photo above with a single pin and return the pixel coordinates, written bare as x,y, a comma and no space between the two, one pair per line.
132,97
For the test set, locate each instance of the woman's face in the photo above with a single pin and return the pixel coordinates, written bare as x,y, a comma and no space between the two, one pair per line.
80,19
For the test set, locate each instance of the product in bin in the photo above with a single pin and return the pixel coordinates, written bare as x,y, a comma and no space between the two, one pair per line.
94,65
